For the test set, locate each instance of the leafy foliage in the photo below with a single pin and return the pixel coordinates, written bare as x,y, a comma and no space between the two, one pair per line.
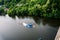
45,8
1,10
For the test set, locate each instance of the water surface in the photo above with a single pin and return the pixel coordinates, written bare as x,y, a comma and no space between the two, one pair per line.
12,29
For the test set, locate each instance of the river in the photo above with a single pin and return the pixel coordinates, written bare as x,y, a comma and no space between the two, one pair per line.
43,29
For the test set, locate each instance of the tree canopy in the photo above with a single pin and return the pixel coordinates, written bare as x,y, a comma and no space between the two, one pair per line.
44,8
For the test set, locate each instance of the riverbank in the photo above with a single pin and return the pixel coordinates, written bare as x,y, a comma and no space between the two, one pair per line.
58,35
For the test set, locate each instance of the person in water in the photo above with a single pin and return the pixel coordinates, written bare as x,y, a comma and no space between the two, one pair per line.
28,25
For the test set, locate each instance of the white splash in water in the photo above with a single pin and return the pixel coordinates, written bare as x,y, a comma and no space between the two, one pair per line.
24,24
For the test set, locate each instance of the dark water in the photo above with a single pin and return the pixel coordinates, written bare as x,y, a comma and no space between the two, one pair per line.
43,29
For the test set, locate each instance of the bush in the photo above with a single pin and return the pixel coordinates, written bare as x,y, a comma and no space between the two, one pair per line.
45,8
1,10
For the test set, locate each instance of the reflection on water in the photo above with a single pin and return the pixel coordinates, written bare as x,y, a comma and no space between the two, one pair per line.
12,29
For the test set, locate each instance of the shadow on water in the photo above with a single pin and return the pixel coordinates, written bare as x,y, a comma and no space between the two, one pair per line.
51,22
